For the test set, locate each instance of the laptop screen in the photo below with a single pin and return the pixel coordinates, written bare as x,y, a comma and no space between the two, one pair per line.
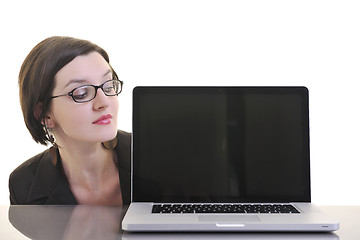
221,144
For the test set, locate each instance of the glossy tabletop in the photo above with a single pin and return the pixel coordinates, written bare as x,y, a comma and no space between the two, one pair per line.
95,222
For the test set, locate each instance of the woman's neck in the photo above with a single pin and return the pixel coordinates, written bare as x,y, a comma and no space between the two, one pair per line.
92,174
87,164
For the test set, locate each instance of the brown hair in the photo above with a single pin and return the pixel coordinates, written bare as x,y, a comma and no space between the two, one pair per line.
37,73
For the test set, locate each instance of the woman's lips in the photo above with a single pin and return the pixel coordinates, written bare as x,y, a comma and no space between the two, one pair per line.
103,120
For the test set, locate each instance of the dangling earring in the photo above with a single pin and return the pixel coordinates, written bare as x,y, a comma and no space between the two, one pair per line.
50,136
110,145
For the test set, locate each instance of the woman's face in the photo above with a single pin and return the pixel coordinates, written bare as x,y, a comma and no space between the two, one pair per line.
90,122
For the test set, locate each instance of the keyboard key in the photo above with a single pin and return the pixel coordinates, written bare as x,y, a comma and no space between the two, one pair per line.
225,208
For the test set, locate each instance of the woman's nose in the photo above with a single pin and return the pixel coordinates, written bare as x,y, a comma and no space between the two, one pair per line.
100,101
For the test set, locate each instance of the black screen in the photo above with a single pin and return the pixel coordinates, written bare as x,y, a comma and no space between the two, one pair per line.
221,144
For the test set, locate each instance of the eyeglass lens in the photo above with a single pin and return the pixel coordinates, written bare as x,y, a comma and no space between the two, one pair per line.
88,92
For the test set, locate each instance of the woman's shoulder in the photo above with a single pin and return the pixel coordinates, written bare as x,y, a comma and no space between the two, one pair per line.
29,166
123,148
124,136
123,151
123,142
22,178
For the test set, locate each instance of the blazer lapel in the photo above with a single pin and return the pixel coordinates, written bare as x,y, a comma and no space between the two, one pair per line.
49,185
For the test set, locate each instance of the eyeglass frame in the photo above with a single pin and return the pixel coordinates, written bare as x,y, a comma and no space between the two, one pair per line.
96,90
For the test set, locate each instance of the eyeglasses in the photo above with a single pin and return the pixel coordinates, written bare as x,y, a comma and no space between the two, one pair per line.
87,93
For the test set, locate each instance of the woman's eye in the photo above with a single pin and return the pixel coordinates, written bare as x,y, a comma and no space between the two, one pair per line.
81,94
108,89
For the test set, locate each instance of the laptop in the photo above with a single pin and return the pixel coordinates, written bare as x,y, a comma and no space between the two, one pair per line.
222,159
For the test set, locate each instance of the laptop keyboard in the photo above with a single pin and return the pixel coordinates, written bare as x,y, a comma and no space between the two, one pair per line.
224,208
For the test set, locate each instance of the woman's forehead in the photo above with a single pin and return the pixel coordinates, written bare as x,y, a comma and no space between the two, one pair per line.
84,69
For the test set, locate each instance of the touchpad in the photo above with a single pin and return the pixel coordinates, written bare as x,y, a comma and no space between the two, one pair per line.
228,218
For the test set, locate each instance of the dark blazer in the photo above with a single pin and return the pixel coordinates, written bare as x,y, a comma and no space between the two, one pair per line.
41,180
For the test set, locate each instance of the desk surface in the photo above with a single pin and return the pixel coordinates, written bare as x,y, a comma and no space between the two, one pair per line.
89,222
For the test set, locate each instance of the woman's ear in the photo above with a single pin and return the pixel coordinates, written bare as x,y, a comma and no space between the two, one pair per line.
44,121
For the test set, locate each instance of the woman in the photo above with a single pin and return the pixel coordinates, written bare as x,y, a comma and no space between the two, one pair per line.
68,95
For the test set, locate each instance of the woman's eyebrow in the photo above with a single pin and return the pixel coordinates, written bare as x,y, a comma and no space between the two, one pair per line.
76,81
83,80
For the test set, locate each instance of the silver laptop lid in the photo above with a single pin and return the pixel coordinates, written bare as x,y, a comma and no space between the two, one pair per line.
221,144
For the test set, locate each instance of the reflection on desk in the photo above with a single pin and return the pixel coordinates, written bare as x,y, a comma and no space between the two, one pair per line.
67,222
99,222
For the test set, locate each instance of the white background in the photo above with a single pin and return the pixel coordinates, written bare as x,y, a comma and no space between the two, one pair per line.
312,43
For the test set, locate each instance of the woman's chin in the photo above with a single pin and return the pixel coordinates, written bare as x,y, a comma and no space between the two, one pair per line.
108,136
